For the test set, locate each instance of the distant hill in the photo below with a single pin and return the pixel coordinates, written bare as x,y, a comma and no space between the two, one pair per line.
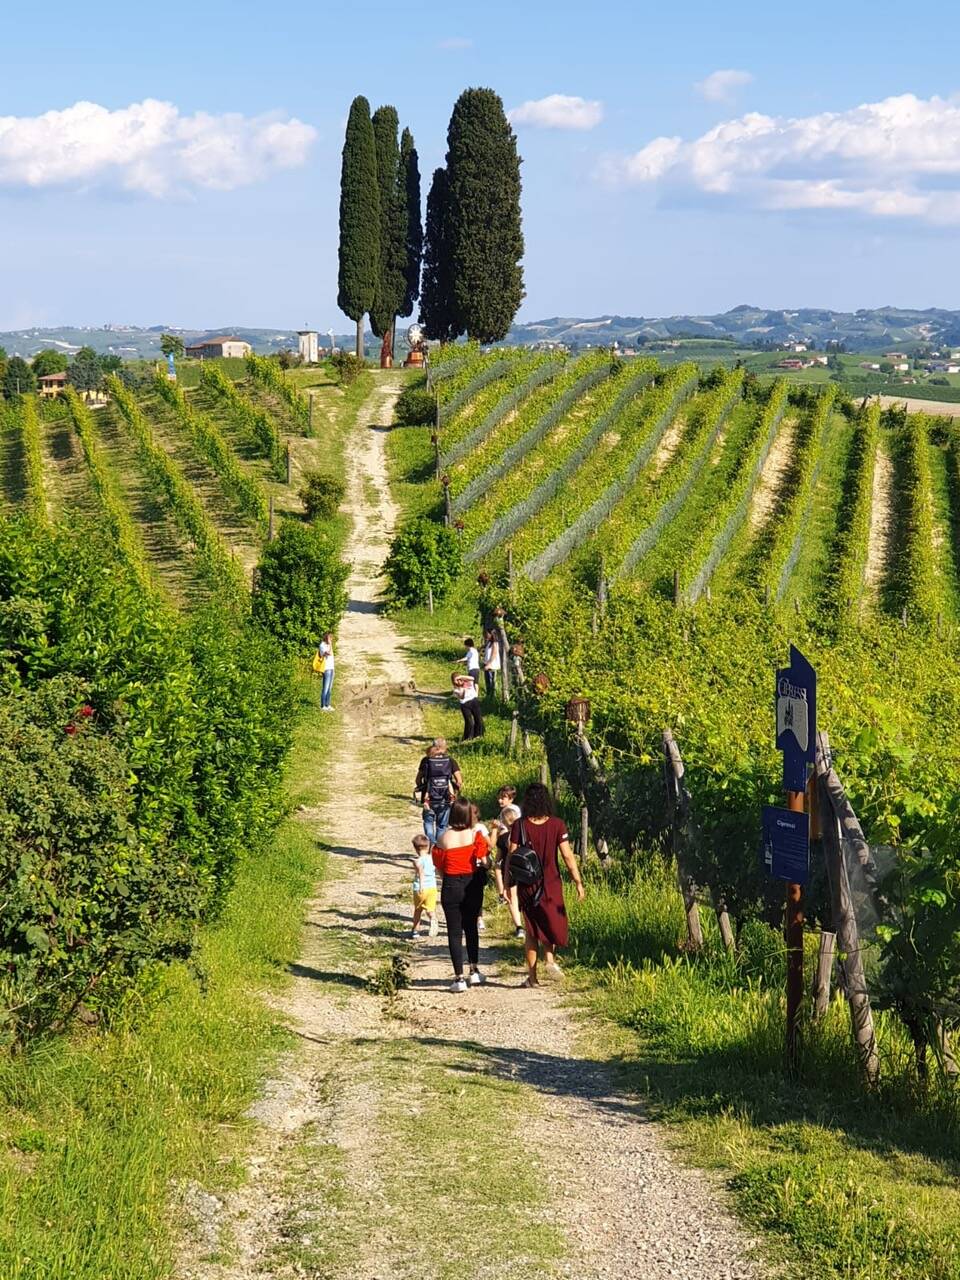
745,325
134,343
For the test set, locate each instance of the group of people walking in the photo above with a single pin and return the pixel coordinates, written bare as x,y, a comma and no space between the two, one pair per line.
523,847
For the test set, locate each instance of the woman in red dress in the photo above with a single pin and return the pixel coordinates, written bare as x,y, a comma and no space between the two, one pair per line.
544,912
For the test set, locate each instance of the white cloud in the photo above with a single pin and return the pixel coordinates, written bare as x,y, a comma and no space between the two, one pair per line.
148,147
558,111
453,43
899,158
722,86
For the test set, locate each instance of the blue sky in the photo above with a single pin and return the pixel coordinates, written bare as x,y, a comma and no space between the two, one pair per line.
834,181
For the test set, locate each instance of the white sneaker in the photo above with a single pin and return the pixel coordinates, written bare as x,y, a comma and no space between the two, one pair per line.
457,986
414,933
481,927
434,927
477,979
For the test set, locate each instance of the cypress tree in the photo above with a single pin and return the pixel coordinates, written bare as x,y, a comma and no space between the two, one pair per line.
408,191
486,240
438,309
391,275
359,219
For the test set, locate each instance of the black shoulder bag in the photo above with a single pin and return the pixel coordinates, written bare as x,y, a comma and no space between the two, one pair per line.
526,870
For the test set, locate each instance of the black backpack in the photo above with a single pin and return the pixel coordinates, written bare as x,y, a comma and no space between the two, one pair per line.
524,865
438,777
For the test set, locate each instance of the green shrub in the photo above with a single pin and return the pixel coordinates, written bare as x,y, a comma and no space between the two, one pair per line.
321,495
348,366
140,759
300,591
423,555
416,407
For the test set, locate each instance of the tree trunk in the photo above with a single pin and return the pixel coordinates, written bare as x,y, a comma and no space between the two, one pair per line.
360,338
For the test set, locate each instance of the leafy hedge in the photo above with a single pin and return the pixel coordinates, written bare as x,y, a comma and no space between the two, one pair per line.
268,374
785,545
721,523
913,581
238,483
223,574
553,430
634,528
416,406
652,413
140,759
500,452
424,557
256,424
33,457
300,586
844,586
122,531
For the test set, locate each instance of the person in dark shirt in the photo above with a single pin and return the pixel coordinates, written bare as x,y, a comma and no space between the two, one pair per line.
439,782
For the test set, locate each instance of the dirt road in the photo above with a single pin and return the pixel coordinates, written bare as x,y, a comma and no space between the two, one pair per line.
433,1135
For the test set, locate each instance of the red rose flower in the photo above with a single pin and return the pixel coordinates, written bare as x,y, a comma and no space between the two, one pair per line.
86,711
70,729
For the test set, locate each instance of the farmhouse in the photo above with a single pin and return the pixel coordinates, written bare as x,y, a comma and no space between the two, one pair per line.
792,364
309,344
219,348
51,385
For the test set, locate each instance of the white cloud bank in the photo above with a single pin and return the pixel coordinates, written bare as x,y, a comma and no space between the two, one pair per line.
899,158
722,86
148,147
558,111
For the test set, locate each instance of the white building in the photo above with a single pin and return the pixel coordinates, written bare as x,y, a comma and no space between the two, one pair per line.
309,344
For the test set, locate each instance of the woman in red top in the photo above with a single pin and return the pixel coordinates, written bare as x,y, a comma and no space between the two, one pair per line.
545,917
461,858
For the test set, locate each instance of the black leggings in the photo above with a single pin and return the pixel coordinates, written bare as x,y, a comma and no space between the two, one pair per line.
462,900
472,719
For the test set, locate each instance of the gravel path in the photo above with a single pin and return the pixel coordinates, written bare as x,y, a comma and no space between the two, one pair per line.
622,1204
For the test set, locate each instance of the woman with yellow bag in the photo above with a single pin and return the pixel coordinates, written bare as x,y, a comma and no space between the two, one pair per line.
323,664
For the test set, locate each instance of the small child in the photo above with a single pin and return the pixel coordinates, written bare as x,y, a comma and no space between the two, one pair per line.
424,887
509,814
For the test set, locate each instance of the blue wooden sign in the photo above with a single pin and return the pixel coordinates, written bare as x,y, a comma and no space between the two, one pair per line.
786,844
795,701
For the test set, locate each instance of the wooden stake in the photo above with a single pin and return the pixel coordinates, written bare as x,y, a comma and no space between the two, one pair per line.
794,940
289,466
723,921
678,800
584,830
821,977
526,740
430,599
514,730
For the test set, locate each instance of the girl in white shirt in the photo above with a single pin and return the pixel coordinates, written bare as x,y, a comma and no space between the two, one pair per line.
466,690
326,657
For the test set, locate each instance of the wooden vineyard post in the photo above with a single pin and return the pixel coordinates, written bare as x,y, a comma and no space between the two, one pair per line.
845,922
438,469
514,730
723,921
289,462
447,506
310,416
794,939
678,801
821,977
584,830
430,599
504,659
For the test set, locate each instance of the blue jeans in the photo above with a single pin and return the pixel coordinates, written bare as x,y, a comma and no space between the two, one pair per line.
435,823
326,689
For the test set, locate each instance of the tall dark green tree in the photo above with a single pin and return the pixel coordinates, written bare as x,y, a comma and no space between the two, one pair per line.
391,276
486,239
359,219
438,308
18,378
408,192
